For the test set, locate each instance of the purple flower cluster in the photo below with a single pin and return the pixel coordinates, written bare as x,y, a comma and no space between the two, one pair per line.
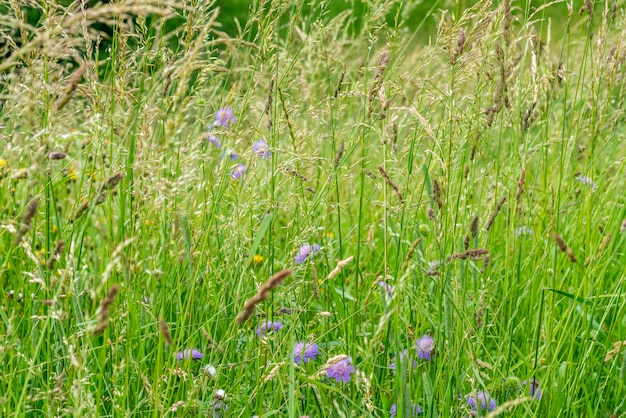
261,149
587,181
305,251
224,117
387,288
401,357
303,352
341,370
482,401
425,346
189,353
213,139
534,389
232,155
524,230
414,410
267,326
238,171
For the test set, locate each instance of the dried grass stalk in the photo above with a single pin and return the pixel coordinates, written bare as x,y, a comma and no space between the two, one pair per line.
409,253
492,218
340,265
59,247
390,183
470,254
71,87
563,247
165,331
107,186
104,311
27,218
474,227
262,294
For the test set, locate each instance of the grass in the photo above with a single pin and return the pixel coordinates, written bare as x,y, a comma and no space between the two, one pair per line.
479,172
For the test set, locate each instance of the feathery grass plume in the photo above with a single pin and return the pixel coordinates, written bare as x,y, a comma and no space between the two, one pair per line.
104,310
273,372
340,152
508,19
292,134
394,135
563,247
314,282
81,210
57,155
617,348
370,174
108,185
262,294
409,253
529,117
112,181
603,244
520,190
501,95
486,262
27,218
340,265
165,331
437,193
268,102
474,227
377,82
460,46
390,183
71,87
495,213
339,83
587,7
477,254
59,247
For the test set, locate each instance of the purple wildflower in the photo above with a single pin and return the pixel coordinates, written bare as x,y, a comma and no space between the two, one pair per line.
586,180
230,154
305,250
189,353
303,352
218,407
224,117
213,139
424,346
433,266
261,149
414,411
386,287
268,326
341,370
534,389
523,230
401,357
238,171
486,402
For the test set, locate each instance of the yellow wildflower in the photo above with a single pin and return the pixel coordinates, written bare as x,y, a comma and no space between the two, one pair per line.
257,260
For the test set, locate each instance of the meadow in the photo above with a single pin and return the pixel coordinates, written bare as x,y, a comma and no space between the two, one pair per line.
313,217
